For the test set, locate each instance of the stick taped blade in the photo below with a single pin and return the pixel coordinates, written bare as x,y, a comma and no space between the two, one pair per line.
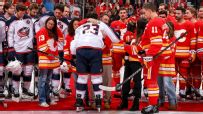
106,88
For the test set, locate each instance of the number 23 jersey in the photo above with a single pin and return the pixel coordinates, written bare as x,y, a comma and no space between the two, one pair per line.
91,35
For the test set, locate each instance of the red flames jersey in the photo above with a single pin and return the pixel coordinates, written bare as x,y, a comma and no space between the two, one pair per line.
187,43
199,29
119,26
152,39
50,46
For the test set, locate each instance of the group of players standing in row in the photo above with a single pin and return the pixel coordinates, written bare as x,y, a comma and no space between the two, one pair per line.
89,42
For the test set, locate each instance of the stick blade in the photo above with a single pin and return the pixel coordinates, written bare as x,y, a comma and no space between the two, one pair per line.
106,88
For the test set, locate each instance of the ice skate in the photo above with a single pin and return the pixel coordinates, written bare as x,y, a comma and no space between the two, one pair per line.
182,95
27,94
79,103
98,102
2,99
150,109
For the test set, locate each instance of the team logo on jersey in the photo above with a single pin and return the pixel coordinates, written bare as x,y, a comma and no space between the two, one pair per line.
60,25
23,32
28,21
179,33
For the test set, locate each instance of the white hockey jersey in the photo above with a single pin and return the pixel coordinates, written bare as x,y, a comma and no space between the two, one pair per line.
2,33
91,35
20,35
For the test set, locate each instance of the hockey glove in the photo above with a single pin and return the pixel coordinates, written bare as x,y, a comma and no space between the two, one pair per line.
64,67
117,33
148,61
11,54
15,67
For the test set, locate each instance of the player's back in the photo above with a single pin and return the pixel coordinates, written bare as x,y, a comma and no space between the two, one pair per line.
89,35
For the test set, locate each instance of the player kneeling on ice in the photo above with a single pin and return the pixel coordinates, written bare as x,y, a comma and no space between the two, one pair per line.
87,46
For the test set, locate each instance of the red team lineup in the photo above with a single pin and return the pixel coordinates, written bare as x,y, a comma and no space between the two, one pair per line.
122,55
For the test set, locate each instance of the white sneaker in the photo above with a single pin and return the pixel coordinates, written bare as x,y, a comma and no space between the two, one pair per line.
44,104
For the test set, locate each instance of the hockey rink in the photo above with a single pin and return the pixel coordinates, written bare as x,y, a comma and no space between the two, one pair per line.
91,112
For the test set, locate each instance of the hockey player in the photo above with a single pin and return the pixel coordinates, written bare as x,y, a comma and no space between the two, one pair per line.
200,37
87,45
2,38
195,67
32,11
20,37
119,26
8,12
152,43
185,50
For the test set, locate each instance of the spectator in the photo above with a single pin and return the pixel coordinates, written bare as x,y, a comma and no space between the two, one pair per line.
47,40
49,5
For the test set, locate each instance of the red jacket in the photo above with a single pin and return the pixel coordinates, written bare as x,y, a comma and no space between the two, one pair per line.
152,39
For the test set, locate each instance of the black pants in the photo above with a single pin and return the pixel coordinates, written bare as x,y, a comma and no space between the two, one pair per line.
130,68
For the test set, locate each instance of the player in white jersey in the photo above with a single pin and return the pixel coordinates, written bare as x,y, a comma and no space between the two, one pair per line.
20,37
9,11
87,46
33,13
2,38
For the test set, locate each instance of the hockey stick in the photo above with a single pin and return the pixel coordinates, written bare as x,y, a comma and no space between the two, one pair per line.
60,58
117,87
188,82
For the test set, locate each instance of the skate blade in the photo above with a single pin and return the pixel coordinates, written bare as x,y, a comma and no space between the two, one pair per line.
79,109
23,96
